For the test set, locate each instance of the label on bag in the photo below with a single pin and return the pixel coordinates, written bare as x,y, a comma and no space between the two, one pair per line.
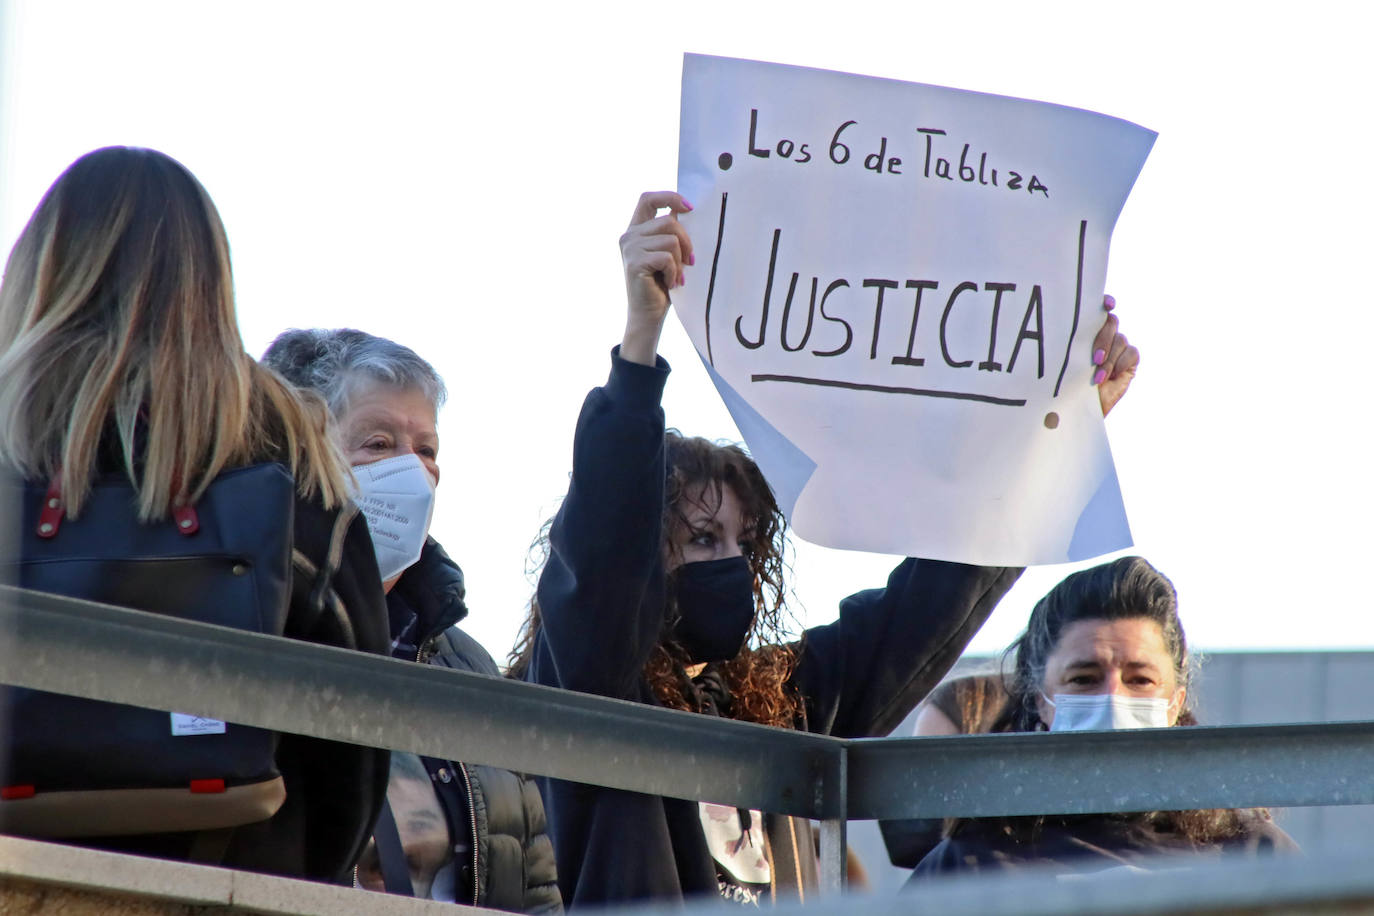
184,724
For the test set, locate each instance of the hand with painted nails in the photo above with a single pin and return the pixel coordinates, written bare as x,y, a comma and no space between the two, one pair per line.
1114,360
655,251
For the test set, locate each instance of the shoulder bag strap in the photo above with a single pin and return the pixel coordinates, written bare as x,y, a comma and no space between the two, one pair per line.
395,869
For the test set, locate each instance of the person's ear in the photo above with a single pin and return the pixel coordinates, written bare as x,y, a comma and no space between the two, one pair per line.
1176,704
1045,708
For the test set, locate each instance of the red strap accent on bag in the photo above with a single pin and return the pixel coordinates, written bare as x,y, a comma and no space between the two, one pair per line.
188,523
207,786
183,513
10,793
50,518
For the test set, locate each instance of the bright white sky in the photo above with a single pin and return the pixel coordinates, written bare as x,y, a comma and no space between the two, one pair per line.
455,176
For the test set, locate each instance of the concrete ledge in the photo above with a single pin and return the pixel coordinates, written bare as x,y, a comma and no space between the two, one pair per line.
41,877
1289,885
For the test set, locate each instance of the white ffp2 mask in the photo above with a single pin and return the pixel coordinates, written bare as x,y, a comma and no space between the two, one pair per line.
396,495
1106,712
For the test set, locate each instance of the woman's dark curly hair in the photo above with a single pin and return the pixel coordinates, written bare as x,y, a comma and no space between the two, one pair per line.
756,679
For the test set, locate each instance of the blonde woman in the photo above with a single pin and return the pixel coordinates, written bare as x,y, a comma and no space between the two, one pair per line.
120,355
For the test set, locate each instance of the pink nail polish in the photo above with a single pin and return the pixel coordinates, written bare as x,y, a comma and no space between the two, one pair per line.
1109,302
691,260
687,205
1099,376
1099,356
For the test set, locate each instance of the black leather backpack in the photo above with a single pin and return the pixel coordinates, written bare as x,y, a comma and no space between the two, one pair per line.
72,767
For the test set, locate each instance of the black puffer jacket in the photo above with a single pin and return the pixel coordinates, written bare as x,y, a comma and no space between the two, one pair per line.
511,865
1086,843
334,789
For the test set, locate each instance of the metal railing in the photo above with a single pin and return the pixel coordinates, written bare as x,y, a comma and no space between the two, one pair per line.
65,645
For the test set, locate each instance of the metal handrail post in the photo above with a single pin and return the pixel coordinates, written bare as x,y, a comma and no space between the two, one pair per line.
834,852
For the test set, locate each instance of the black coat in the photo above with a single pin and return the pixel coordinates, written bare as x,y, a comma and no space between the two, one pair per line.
511,865
1079,844
334,790
601,598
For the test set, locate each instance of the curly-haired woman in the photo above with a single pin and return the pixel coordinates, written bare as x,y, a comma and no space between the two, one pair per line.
663,585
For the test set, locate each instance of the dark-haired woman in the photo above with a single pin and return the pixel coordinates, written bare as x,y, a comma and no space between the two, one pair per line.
1103,650
663,585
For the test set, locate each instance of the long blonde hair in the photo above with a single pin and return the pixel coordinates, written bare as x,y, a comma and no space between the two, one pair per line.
118,332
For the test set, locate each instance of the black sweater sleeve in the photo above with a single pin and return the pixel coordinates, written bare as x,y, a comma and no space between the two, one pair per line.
601,593
862,674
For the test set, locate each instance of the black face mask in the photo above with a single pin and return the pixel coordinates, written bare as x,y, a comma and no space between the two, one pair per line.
715,603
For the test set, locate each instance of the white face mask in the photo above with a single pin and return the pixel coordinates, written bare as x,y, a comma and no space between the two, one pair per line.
396,495
1106,712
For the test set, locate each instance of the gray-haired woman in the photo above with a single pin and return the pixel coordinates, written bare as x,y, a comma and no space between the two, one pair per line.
452,831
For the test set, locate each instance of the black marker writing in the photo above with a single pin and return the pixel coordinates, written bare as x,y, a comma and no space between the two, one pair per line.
943,157
840,304
908,360
767,298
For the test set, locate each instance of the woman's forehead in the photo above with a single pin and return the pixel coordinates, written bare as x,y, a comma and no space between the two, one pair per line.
371,401
711,499
1132,640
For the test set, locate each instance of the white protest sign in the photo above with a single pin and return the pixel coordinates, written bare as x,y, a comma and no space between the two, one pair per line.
896,291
